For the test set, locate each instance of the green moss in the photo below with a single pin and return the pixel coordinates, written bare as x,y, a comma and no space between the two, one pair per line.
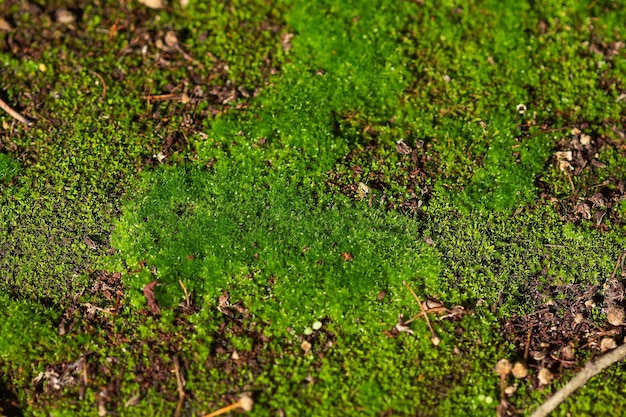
256,225
281,234
471,65
97,129
250,204
9,168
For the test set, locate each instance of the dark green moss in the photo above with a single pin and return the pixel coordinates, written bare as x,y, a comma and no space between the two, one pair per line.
9,168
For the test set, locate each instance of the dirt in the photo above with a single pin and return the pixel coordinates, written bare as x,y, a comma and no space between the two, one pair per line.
563,334
590,199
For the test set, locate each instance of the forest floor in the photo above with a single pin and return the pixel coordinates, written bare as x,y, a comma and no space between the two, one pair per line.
329,207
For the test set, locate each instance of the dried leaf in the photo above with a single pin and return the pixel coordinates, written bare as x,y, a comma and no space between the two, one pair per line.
403,148
223,304
400,327
5,26
597,163
148,292
64,16
134,400
615,315
563,159
607,343
285,41
520,370
585,140
503,367
455,313
89,243
363,190
545,377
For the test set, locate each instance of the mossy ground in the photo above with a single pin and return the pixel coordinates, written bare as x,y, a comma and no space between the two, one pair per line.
276,166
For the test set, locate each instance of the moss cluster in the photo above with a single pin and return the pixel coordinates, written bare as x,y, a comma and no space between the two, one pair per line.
286,134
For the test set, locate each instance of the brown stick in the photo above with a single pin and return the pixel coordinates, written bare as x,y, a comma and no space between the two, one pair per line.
117,301
245,403
571,183
527,345
164,97
85,371
104,85
180,281
591,369
4,106
617,264
432,331
180,384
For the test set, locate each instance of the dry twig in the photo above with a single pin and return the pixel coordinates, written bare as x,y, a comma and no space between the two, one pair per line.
591,369
182,97
4,106
617,265
104,85
118,297
180,384
187,302
245,403
92,307
434,339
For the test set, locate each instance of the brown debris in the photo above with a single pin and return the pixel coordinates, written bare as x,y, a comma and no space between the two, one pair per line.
403,148
556,336
148,292
591,368
588,199
519,370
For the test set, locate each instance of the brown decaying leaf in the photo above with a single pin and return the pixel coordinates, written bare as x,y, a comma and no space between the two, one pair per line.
148,292
401,327
5,26
403,148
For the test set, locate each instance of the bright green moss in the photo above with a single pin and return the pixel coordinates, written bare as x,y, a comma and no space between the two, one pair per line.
471,65
256,225
284,234
97,129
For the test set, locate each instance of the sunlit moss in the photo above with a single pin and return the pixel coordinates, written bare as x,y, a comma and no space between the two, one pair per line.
251,205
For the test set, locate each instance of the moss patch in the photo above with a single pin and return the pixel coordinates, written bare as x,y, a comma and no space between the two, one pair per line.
262,152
